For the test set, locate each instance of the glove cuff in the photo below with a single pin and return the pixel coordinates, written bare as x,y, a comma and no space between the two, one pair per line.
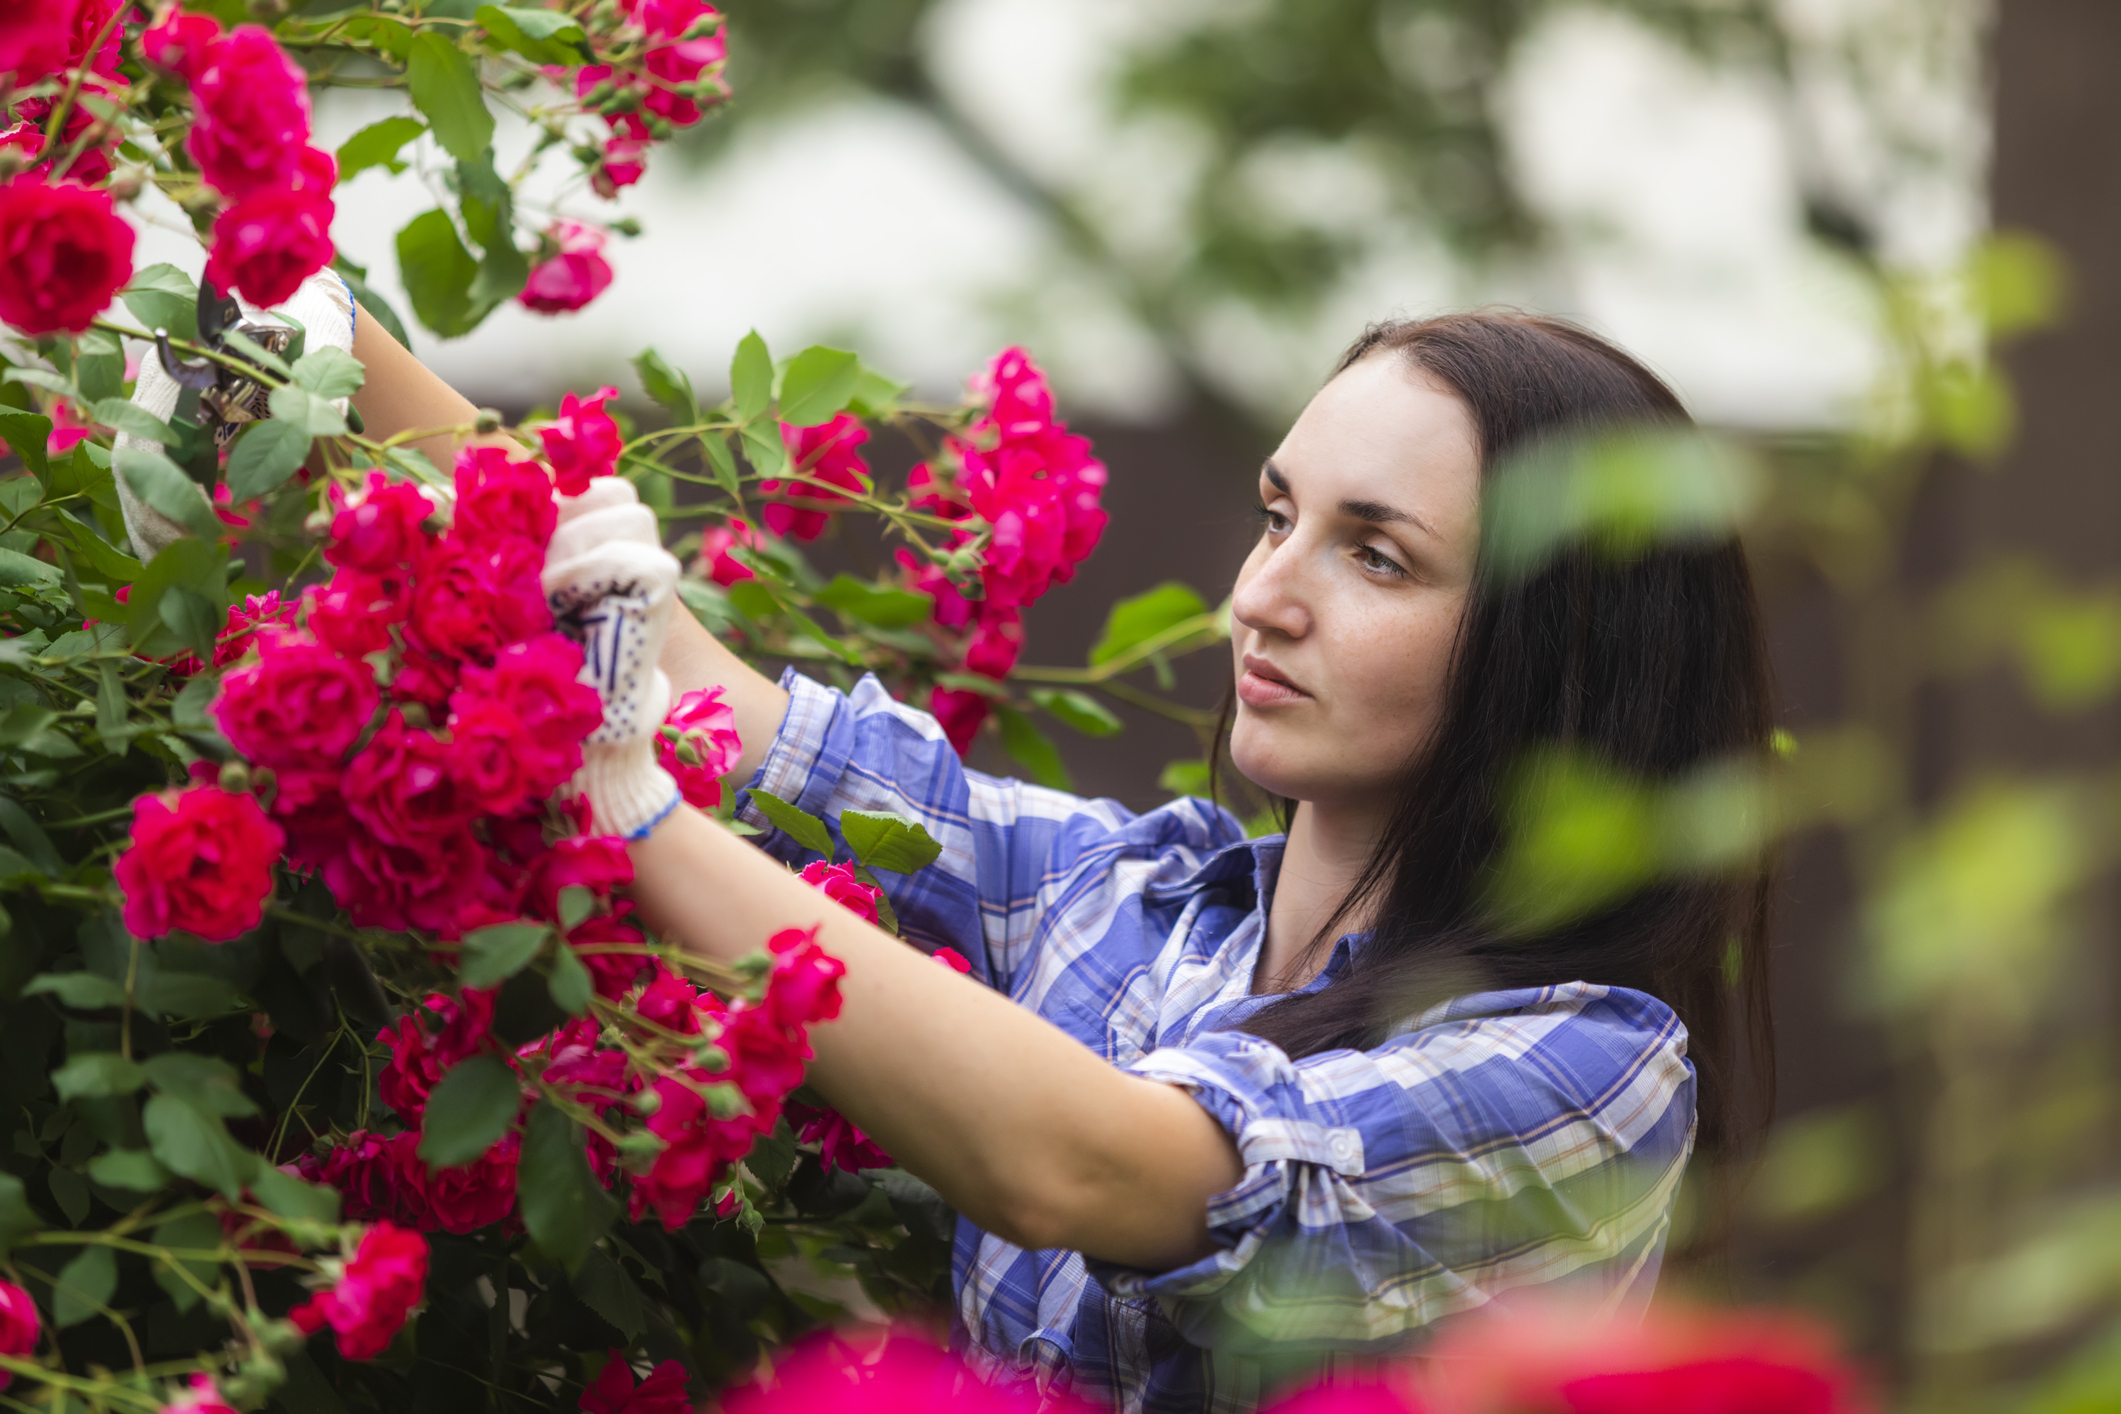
629,794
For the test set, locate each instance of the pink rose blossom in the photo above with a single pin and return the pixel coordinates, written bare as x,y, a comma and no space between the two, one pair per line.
64,254
253,106
269,242
427,1041
502,498
19,1326
354,612
298,704
69,428
576,274
200,1396
614,1391
837,882
699,745
404,785
381,528
533,693
399,887
716,562
377,1291
840,1144
35,38
178,41
829,453
583,442
472,601
201,860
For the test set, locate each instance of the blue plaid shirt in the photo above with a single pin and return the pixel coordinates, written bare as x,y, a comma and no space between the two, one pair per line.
1503,1140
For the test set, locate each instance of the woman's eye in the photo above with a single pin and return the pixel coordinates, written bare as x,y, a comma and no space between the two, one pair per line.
1275,522
1373,559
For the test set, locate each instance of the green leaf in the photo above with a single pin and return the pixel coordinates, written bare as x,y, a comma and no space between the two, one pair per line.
576,904
1029,748
194,1232
188,710
255,353
264,457
330,372
437,272
493,955
768,454
444,81
83,1286
315,416
489,219
194,1143
668,386
294,1199
817,385
798,824
1079,710
164,297
98,1074
18,571
469,1109
28,434
162,484
191,617
874,393
541,36
751,376
133,1170
112,707
84,991
377,145
197,565
40,378
29,837
723,463
206,1081
17,1218
886,608
893,842
564,1207
604,1288
125,415
570,983
1137,620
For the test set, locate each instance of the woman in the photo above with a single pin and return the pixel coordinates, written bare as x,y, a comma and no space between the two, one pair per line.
1199,1103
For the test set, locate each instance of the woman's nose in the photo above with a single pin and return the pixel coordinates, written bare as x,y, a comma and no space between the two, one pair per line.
1269,597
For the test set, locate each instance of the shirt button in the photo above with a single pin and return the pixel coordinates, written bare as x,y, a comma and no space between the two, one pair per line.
1343,1146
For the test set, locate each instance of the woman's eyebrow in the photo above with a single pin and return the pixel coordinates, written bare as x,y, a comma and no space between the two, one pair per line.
1375,512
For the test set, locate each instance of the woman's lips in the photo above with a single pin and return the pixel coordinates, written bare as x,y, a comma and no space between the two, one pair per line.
1261,685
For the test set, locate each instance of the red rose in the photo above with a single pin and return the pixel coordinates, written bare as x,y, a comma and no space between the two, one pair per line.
19,1326
840,1144
472,601
466,1197
804,986
298,704
614,1391
573,277
424,677
827,453
489,771
697,1149
391,886
611,973
673,1003
178,41
246,621
427,1041
583,443
201,860
381,528
598,863
402,786
698,745
309,808
268,243
35,37
715,560
960,713
203,1396
354,612
64,253
537,684
501,498
367,1180
374,1295
837,882
995,643
253,105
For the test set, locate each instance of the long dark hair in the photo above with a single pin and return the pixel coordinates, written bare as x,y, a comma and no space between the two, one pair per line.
1653,663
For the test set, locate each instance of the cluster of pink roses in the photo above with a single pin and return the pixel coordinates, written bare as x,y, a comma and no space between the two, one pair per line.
1037,486
64,250
376,1290
706,1116
251,141
672,77
415,725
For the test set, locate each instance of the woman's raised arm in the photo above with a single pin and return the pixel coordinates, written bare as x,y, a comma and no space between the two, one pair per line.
403,394
1023,1129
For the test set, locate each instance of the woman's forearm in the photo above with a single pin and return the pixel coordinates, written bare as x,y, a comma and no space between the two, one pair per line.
1020,1127
402,394
695,659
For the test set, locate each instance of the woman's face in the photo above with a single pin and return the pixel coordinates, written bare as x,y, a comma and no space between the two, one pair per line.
1347,608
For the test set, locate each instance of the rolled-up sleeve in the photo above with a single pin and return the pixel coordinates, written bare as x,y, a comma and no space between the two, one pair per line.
865,750
1385,1189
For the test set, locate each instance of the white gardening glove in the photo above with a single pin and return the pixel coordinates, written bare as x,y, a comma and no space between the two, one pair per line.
612,588
323,306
